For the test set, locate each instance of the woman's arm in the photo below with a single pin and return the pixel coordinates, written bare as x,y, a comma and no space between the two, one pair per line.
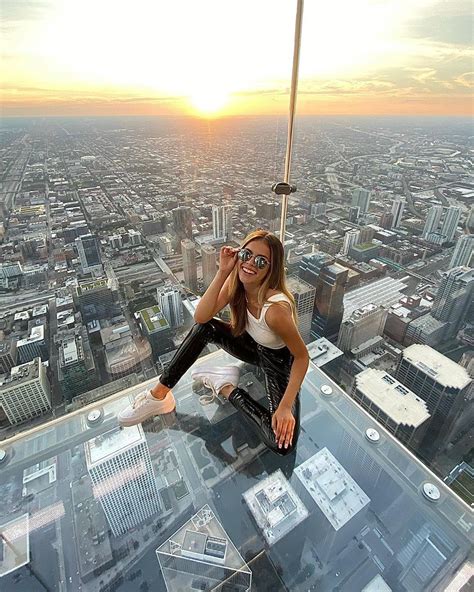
217,295
280,320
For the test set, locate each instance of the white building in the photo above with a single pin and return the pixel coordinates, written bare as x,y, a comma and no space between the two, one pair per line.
432,220
304,295
121,471
397,211
171,304
222,222
361,199
450,222
463,251
351,238
209,264
26,392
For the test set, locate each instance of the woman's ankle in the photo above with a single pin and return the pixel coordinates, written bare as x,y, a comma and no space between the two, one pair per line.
159,391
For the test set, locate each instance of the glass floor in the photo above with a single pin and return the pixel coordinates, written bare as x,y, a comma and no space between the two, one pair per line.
193,501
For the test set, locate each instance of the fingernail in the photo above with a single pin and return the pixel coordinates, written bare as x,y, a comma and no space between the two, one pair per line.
286,445
279,445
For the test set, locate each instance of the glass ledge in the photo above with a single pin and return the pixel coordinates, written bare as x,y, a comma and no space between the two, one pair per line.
193,501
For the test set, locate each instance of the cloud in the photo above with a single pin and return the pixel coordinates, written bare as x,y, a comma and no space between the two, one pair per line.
444,22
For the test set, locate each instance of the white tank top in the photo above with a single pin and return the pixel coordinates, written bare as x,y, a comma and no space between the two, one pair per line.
258,328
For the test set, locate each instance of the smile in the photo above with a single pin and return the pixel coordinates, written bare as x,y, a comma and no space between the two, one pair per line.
248,271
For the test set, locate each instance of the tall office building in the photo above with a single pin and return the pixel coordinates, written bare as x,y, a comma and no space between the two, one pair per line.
450,222
463,250
8,355
352,237
96,300
209,264
88,249
397,211
433,219
33,346
222,222
311,265
156,329
454,297
171,303
394,406
119,465
189,264
182,222
304,295
440,382
329,302
364,323
77,372
361,199
26,392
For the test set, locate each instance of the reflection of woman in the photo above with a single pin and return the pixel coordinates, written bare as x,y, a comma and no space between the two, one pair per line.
262,332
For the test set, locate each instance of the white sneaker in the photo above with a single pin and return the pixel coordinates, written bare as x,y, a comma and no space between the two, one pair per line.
145,406
215,378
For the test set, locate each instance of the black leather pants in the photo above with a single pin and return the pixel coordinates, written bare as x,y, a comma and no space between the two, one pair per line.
275,363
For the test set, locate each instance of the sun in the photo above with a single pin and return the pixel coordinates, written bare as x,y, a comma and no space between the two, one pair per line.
209,102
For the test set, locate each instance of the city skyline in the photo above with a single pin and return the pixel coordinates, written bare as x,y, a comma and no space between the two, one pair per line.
403,57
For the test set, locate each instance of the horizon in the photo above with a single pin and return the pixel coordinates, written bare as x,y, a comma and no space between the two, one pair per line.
385,58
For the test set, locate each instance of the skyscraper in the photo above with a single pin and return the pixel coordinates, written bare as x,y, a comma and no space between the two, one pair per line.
8,355
189,264
364,323
88,249
96,300
26,392
397,211
361,199
329,303
119,465
156,329
311,265
222,222
77,372
209,264
304,295
182,222
171,303
352,237
453,297
463,251
432,220
440,382
450,222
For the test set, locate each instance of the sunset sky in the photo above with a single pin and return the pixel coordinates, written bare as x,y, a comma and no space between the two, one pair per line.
226,57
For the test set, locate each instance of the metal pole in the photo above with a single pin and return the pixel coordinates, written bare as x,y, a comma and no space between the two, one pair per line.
294,90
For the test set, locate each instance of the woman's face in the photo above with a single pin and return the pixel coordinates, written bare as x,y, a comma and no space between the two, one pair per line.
249,273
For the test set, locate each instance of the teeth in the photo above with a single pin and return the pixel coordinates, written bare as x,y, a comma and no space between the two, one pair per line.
248,271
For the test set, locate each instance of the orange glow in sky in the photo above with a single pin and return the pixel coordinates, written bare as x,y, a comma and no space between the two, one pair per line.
212,58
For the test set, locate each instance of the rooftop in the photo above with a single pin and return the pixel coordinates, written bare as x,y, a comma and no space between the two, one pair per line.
112,443
397,401
153,318
437,366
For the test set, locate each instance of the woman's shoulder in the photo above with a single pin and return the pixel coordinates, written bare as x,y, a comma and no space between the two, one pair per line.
276,295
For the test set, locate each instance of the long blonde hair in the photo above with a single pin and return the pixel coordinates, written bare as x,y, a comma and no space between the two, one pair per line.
274,280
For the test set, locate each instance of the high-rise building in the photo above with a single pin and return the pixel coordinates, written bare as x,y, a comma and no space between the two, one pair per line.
463,250
311,265
222,222
450,222
433,219
156,329
171,303
77,372
134,238
120,467
182,222
354,213
364,323
440,382
33,346
26,392
393,405
209,264
88,249
116,241
329,302
352,237
470,220
361,199
397,211
453,297
8,355
304,295
96,299
189,264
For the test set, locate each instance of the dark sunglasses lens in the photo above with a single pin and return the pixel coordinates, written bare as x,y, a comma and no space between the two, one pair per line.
260,262
244,255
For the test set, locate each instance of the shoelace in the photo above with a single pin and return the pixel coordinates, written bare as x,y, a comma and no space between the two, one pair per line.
208,398
139,400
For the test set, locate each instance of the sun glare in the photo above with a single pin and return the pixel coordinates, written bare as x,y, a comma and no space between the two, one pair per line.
208,102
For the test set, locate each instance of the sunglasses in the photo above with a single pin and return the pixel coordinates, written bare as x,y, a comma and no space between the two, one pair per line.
260,261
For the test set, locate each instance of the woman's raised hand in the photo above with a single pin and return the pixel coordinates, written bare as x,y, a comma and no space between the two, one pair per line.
228,258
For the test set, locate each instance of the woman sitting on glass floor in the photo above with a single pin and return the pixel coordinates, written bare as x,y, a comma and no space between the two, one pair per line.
262,332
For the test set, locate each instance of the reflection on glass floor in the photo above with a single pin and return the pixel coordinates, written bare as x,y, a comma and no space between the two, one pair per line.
193,501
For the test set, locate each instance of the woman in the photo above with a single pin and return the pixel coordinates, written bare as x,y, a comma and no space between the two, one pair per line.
262,332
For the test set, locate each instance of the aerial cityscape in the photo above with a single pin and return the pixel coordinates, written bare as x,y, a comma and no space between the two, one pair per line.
110,232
